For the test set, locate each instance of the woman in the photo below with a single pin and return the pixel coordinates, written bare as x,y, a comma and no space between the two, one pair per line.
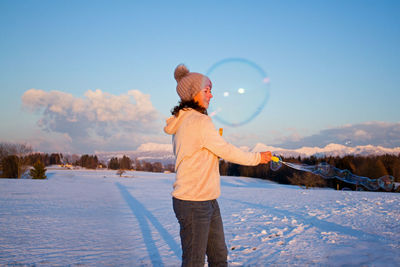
197,147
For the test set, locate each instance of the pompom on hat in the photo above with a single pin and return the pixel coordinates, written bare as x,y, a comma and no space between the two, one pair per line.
189,83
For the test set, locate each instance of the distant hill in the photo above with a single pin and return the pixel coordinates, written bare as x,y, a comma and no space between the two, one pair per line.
153,152
329,150
150,152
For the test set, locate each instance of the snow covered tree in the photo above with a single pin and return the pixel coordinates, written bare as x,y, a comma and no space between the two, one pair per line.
38,171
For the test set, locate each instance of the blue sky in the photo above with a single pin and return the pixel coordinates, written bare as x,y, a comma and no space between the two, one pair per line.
85,76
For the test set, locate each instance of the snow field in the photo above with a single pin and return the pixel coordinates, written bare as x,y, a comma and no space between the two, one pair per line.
95,218
284,225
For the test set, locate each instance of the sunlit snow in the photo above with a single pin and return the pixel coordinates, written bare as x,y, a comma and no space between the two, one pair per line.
84,217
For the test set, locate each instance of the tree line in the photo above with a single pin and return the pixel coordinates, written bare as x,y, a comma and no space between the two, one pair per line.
125,163
16,159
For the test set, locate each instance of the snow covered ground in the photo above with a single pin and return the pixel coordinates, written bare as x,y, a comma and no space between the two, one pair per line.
84,217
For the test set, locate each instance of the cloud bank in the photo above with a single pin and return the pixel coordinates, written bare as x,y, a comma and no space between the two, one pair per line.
99,120
383,134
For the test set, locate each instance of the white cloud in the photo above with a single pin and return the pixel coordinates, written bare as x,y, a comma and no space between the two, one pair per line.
99,120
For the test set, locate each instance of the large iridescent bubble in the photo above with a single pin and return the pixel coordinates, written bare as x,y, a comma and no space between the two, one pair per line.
327,171
240,89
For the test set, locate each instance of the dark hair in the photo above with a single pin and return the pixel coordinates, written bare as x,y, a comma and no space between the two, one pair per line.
186,105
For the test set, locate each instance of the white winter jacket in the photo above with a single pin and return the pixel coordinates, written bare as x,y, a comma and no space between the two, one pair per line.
197,146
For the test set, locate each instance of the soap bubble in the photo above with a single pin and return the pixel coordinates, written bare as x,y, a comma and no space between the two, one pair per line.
346,175
240,91
327,171
386,182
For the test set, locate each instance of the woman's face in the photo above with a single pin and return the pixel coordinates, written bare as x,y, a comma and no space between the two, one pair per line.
203,97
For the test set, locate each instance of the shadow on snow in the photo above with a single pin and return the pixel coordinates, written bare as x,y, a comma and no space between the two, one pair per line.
144,216
321,224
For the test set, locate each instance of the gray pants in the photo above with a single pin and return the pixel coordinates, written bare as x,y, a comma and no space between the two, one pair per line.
201,232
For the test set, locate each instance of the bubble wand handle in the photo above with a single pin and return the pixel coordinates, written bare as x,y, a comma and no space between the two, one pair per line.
275,159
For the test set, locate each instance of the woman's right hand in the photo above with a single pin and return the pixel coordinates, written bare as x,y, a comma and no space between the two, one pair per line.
265,157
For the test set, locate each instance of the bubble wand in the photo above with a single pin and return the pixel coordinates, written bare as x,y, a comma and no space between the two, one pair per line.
327,171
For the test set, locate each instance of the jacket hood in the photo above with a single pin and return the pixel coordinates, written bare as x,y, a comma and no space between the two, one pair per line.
173,123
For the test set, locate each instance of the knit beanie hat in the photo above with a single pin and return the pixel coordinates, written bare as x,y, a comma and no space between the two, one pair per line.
189,83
